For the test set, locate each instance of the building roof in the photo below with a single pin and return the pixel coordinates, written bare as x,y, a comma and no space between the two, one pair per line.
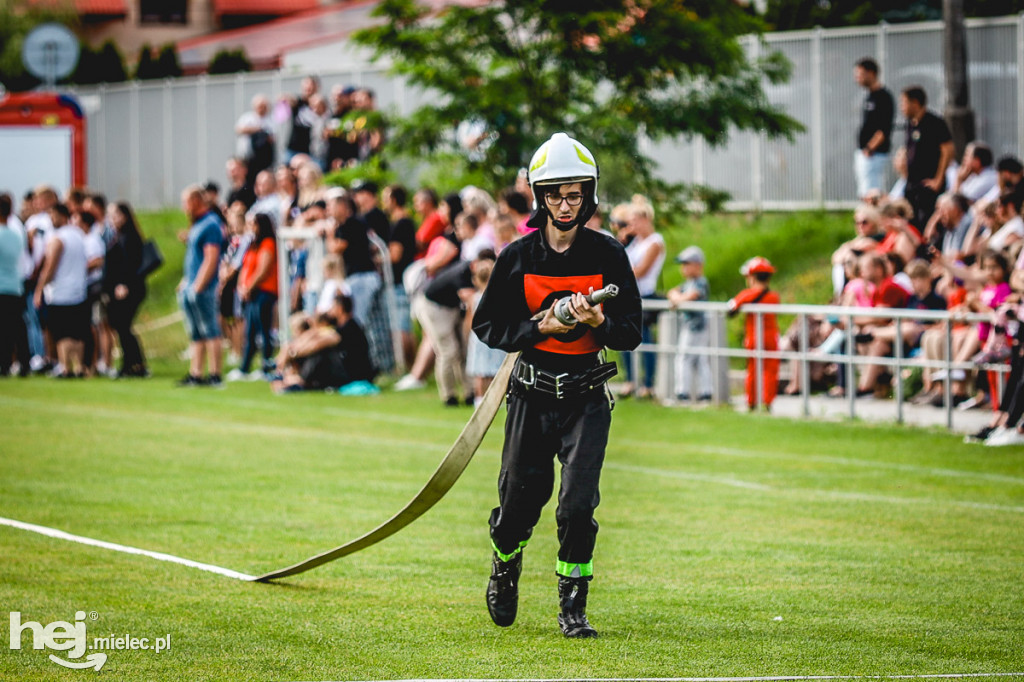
262,7
265,44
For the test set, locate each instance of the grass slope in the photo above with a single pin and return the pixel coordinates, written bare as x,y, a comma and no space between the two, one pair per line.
730,544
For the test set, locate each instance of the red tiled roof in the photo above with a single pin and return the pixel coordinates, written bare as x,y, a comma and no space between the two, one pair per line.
262,7
104,7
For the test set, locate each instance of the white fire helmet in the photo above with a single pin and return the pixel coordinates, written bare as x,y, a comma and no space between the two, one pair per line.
562,160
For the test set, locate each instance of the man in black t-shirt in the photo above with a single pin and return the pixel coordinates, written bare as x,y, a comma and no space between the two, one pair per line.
402,249
929,151
302,118
874,139
365,195
331,353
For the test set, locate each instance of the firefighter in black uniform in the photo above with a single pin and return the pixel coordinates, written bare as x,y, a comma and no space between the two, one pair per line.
558,403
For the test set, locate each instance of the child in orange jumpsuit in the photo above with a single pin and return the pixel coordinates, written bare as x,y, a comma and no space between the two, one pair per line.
758,272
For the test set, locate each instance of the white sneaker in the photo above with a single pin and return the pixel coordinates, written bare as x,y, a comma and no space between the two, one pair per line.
36,363
256,375
1005,436
409,383
237,375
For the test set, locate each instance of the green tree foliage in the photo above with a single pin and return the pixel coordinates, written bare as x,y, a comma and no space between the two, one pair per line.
167,64
785,15
146,69
164,65
606,71
229,61
101,65
17,19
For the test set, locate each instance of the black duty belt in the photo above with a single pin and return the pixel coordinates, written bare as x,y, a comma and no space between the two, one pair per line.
561,386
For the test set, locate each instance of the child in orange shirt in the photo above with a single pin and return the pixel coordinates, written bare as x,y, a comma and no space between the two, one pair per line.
758,272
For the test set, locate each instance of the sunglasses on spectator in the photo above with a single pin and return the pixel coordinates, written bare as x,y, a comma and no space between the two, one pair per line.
553,199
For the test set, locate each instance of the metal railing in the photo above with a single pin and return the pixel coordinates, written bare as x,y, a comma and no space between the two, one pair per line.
850,360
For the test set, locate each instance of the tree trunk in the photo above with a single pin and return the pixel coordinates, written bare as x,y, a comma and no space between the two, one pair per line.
959,115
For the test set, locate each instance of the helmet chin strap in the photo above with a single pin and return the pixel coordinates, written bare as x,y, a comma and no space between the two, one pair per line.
565,226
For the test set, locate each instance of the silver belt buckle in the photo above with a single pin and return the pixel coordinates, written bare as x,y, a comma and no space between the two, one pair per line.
529,370
558,385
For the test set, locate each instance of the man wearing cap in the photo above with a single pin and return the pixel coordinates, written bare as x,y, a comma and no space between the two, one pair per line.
558,403
758,272
694,331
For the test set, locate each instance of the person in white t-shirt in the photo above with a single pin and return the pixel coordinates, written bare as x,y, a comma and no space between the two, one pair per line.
1008,212
62,280
646,254
976,176
255,141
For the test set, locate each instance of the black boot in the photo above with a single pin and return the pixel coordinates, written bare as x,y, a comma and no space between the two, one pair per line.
572,597
503,589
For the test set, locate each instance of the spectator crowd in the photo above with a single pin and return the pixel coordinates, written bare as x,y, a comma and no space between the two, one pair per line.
365,267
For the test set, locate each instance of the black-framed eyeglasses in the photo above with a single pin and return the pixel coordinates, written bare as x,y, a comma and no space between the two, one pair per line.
554,199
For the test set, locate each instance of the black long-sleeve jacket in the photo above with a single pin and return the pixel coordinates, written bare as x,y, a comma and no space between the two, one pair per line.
529,276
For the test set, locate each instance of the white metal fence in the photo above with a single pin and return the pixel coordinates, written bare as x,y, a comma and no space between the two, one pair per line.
147,141
667,349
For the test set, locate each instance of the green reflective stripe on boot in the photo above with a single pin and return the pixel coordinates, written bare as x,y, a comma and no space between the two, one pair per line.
508,557
568,570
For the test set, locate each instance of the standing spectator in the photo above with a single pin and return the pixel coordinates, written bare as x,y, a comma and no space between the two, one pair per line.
302,118
350,241
433,224
38,228
240,189
976,176
13,335
365,195
287,195
267,199
758,272
257,290
340,151
482,362
646,252
237,241
62,280
255,142
197,292
929,151
310,191
125,288
402,251
318,131
515,204
95,254
874,139
694,331
442,319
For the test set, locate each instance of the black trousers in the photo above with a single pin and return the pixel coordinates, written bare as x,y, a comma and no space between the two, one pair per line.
120,315
539,429
13,333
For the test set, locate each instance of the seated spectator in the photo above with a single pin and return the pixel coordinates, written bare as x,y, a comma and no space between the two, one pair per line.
900,236
976,175
1012,230
899,166
334,283
947,229
910,331
888,294
331,353
867,221
1010,172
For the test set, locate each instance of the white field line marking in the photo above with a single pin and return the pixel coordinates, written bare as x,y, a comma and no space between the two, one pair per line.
159,556
815,492
160,322
824,459
705,478
778,678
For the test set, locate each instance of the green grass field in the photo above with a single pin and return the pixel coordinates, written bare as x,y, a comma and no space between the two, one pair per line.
730,545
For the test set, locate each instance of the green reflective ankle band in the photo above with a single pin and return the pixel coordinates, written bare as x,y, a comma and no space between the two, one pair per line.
508,557
568,570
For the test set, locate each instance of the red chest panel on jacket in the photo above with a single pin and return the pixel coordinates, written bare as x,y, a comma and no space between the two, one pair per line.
542,292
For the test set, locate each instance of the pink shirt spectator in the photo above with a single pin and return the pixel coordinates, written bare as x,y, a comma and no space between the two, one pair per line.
863,292
992,297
